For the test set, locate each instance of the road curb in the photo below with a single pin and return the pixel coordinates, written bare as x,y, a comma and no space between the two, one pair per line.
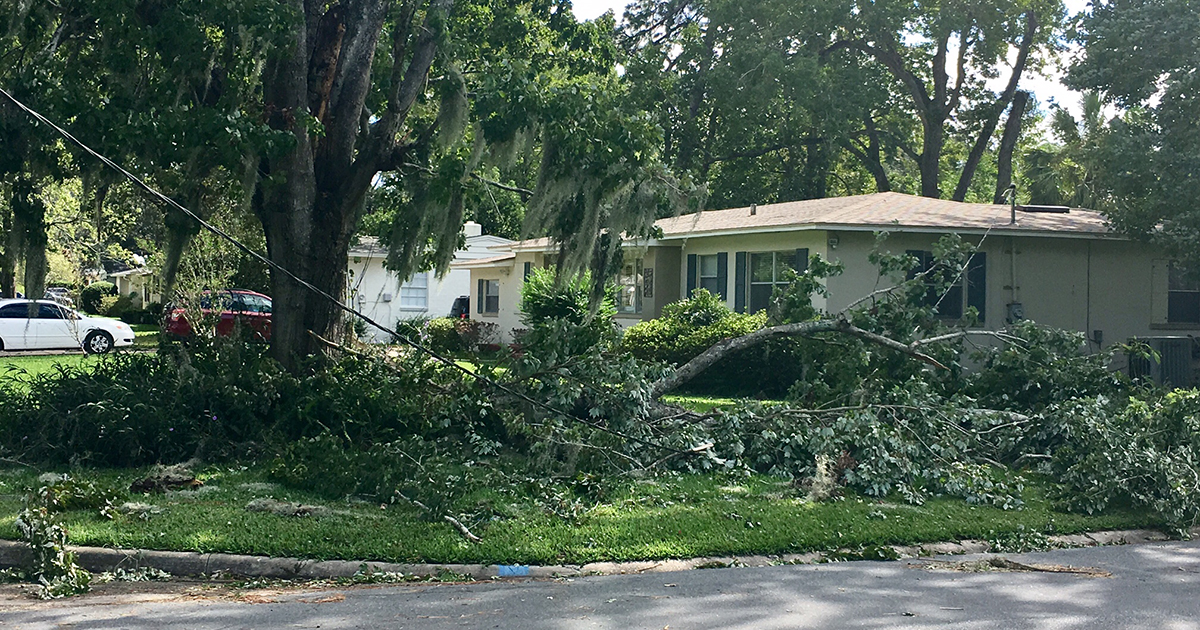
183,563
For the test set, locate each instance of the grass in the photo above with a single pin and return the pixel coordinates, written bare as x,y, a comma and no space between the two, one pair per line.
22,367
683,516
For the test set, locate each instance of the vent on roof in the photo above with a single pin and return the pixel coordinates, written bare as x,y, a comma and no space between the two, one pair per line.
753,209
1045,209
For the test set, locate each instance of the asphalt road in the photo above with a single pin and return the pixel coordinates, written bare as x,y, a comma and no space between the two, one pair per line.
1152,586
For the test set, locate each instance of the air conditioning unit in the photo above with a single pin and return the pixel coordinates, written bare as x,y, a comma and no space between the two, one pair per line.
1175,361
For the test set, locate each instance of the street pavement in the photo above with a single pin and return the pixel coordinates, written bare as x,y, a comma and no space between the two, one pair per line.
1151,586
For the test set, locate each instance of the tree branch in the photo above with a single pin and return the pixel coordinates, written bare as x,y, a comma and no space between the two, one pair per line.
709,357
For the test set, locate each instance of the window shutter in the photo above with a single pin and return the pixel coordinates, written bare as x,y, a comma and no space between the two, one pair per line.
723,274
1160,279
801,262
479,302
691,274
739,282
977,284
528,270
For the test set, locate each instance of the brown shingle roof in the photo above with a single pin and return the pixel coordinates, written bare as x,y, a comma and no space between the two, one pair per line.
880,211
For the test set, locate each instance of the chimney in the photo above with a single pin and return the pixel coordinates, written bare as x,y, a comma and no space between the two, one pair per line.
471,228
753,209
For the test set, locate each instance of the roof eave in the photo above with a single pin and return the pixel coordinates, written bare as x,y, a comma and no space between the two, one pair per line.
915,229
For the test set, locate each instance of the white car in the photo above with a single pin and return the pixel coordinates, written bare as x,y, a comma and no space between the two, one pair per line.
56,327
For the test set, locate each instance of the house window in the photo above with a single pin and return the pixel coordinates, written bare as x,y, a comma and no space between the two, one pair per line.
414,294
767,272
489,296
968,290
629,285
1183,297
709,277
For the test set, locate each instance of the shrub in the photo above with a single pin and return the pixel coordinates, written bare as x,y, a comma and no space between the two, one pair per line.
115,306
215,400
689,327
89,297
546,299
442,335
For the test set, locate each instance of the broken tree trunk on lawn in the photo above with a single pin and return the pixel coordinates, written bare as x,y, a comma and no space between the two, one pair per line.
706,359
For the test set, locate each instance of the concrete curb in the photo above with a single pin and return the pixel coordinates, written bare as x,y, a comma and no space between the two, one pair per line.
179,563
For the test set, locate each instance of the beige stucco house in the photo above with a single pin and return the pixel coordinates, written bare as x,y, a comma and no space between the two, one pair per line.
1059,267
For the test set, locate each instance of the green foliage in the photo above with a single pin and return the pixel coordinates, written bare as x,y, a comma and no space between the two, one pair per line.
91,295
687,328
1144,453
548,302
1138,55
909,442
53,567
1040,366
215,400
443,336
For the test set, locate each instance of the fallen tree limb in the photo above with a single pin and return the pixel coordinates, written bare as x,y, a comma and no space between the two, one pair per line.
462,529
706,359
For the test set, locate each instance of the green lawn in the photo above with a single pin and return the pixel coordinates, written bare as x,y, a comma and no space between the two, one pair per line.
24,366
684,516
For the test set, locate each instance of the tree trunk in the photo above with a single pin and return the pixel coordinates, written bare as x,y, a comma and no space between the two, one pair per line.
989,125
1008,142
310,207
934,137
8,262
29,226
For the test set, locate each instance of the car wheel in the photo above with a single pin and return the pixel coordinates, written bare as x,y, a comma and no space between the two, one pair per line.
1,345
97,342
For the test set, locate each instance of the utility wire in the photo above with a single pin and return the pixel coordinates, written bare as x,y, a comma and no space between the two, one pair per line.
307,285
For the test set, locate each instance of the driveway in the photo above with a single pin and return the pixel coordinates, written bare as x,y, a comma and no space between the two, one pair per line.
1151,586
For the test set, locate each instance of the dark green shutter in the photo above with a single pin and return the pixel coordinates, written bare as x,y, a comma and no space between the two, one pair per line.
977,284
528,270
723,275
801,262
739,282
691,274
479,302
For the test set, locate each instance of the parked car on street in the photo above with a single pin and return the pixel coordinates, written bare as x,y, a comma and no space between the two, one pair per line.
62,295
48,325
234,311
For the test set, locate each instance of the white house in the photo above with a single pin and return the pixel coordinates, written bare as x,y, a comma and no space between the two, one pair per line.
385,298
1058,266
139,283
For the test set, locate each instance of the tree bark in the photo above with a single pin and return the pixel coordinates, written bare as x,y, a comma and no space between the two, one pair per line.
989,125
1008,142
308,199
29,226
8,262
708,358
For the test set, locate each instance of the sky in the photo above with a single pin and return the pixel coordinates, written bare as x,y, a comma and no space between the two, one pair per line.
1047,88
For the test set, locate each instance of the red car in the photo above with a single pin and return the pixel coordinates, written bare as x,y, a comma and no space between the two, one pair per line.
233,310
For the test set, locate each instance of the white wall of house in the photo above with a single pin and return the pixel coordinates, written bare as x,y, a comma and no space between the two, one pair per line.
385,298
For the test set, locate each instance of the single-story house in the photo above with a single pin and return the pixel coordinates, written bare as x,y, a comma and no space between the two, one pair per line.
1057,266
140,283
386,298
